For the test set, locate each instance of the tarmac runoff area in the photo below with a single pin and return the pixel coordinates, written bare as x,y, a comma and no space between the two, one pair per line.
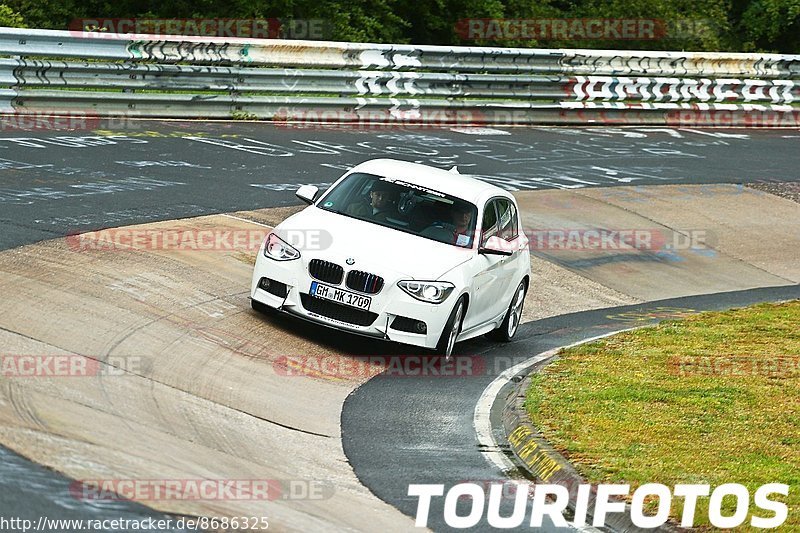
207,396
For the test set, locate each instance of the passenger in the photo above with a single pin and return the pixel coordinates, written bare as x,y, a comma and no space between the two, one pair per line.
458,231
461,216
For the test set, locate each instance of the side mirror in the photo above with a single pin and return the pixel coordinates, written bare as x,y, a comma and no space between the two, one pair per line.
307,193
496,246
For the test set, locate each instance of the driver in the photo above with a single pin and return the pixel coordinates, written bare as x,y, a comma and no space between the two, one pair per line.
379,206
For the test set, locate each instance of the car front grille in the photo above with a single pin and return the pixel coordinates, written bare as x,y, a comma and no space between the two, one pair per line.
326,271
364,282
343,313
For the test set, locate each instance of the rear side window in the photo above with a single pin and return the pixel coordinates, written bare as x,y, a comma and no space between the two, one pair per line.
508,223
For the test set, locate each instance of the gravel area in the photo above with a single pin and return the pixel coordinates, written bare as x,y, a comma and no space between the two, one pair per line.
784,189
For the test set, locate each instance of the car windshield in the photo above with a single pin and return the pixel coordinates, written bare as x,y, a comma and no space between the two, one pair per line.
405,207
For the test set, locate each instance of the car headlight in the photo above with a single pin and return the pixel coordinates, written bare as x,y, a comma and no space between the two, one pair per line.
434,292
279,250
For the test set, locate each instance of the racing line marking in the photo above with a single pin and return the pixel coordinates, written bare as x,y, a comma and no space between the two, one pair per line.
246,220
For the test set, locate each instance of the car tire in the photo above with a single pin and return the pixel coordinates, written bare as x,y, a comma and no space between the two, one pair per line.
510,324
260,307
451,329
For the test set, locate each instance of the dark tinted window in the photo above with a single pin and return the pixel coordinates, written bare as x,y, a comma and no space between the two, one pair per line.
489,225
404,206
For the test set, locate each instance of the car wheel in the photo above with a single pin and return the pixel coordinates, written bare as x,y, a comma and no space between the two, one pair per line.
451,329
508,328
260,307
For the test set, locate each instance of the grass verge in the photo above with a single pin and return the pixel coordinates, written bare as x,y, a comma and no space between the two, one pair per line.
713,399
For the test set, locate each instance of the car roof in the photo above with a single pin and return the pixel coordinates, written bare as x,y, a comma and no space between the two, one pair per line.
451,183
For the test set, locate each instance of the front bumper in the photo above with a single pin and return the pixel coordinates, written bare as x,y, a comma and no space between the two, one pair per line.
387,304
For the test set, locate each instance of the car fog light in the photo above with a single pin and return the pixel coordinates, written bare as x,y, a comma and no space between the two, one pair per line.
410,325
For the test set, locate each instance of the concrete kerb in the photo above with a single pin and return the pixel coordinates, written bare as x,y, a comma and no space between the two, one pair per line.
535,456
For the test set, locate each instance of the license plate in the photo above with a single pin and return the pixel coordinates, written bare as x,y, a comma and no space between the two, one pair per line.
340,296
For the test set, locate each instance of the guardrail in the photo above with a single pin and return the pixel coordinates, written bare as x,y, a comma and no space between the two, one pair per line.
44,71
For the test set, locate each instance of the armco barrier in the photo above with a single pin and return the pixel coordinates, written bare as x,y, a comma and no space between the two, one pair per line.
44,71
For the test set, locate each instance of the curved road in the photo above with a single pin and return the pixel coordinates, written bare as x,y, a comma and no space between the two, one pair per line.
431,439
56,183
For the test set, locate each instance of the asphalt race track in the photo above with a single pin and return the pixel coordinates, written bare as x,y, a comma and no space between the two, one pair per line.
54,183
58,183
432,439
31,491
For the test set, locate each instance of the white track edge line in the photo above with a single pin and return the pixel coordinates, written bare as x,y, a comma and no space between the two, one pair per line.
482,417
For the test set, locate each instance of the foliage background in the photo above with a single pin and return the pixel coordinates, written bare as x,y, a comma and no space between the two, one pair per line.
722,25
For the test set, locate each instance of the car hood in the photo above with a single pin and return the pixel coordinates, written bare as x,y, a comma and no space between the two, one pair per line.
320,234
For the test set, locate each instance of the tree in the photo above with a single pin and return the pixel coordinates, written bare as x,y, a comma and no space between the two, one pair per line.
9,17
771,25
701,25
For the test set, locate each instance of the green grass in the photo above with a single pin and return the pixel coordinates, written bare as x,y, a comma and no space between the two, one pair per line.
622,411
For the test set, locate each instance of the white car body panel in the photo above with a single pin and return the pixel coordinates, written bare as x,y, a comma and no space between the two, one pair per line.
488,281
363,240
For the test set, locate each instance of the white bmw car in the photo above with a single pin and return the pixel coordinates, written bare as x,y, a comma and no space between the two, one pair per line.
414,254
